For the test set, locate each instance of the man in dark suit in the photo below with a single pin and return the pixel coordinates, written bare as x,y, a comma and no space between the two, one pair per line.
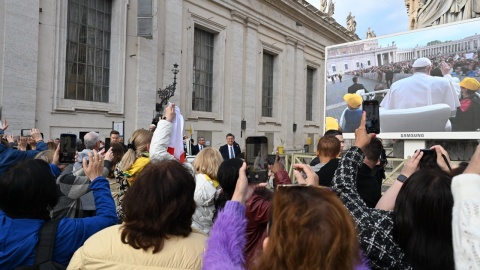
389,77
199,147
356,86
231,149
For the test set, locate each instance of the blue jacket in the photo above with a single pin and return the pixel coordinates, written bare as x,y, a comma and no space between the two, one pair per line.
10,156
19,237
352,119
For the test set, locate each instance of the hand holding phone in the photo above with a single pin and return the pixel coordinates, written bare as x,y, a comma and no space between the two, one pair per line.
68,148
372,121
256,159
305,175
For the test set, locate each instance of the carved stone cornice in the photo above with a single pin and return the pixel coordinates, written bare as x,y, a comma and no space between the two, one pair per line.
300,45
290,40
252,23
238,17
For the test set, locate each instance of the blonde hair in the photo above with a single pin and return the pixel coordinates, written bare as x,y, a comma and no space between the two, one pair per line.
140,140
207,162
46,155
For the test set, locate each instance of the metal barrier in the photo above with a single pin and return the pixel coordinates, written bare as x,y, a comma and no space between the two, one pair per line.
292,158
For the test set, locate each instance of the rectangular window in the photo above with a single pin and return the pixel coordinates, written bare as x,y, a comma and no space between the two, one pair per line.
202,71
358,64
267,85
334,68
346,66
88,50
368,62
309,97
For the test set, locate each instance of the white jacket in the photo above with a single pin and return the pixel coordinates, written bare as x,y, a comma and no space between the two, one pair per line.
466,221
204,196
160,141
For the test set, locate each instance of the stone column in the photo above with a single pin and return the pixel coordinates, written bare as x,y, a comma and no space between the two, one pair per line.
300,94
172,52
288,96
147,75
237,101
19,63
250,78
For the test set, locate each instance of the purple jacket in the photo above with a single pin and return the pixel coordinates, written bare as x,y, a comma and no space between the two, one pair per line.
227,239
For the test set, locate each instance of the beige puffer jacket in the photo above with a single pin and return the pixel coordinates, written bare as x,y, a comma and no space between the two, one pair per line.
105,250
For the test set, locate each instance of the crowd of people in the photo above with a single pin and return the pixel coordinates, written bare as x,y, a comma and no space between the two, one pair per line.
462,64
144,208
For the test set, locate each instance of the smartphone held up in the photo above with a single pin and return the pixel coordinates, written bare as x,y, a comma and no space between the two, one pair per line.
256,159
372,111
68,148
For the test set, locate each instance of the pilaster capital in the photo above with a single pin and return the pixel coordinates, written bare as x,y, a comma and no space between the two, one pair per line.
238,16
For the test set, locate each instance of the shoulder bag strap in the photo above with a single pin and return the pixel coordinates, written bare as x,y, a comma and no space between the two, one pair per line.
46,241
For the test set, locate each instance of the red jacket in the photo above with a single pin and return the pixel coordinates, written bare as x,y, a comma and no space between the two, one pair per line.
258,214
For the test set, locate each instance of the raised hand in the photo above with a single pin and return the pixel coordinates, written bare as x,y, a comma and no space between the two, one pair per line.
94,167
413,164
362,138
312,177
441,162
36,135
22,143
109,154
170,112
5,124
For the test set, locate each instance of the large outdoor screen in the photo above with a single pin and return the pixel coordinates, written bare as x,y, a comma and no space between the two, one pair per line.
416,106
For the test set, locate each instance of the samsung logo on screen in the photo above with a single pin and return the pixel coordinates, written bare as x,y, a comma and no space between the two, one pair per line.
414,135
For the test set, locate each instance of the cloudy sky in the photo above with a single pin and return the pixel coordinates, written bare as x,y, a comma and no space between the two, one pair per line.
383,16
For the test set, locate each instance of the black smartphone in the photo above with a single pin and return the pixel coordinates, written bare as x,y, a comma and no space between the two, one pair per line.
25,132
428,156
107,144
68,148
372,121
271,159
256,159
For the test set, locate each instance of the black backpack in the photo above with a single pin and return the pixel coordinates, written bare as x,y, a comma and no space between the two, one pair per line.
44,250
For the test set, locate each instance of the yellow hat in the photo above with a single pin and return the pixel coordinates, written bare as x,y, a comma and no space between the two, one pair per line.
470,84
353,100
331,123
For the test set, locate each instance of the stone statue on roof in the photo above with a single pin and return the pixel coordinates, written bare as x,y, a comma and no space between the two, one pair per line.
323,6
351,23
331,8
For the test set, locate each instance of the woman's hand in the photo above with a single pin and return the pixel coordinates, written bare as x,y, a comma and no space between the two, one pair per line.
312,177
277,165
94,167
244,190
109,154
362,138
36,135
22,144
413,164
441,162
170,112
5,124
56,159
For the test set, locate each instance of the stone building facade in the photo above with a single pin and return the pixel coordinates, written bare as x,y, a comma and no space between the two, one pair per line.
78,65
